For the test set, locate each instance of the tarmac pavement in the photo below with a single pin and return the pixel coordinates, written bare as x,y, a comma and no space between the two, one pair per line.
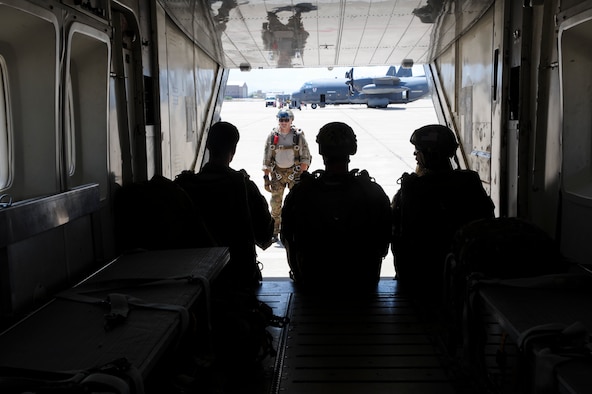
383,149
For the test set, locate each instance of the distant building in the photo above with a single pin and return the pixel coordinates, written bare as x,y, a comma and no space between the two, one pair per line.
236,89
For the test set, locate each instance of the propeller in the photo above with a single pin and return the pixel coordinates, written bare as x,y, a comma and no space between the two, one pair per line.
350,83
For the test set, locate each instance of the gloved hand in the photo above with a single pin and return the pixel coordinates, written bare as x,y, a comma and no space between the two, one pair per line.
267,183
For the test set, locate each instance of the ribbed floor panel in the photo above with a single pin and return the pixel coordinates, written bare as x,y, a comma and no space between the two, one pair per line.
374,345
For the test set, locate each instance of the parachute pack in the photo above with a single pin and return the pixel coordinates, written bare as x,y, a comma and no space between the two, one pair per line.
350,214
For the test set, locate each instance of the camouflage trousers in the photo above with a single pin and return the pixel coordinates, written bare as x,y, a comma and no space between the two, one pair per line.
280,179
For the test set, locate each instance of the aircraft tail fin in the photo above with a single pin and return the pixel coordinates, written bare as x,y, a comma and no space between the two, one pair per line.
404,72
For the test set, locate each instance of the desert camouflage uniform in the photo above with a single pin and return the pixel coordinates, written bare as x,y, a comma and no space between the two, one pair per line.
283,156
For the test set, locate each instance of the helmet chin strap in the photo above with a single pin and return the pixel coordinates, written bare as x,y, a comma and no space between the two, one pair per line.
456,161
428,163
420,170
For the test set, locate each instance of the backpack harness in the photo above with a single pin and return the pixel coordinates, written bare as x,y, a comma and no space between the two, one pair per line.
273,145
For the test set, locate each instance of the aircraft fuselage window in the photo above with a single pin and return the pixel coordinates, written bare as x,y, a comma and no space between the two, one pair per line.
5,130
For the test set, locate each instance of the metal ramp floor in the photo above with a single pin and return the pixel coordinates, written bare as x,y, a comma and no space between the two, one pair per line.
336,344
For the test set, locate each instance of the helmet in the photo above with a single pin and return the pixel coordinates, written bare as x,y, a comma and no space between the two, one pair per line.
434,138
336,139
285,113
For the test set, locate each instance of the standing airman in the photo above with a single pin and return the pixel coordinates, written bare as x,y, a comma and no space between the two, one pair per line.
285,157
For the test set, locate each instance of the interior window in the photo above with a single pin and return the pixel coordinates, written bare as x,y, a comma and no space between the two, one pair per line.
86,111
576,82
5,130
577,98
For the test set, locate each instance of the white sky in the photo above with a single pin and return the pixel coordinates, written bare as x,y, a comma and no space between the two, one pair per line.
289,80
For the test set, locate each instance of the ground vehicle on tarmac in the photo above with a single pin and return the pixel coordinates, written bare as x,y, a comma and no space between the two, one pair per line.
99,94
270,101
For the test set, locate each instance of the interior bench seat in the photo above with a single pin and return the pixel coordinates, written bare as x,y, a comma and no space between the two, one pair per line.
534,312
134,309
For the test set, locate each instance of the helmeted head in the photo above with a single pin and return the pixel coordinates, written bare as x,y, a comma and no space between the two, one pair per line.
222,138
337,139
285,114
434,146
434,138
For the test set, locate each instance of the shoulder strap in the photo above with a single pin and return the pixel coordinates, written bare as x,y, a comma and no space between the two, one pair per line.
361,175
406,178
296,138
296,145
273,139
315,174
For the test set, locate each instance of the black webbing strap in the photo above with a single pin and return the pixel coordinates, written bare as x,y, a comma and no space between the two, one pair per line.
119,303
118,377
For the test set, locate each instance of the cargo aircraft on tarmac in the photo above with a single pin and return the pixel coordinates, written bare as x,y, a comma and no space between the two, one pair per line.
395,87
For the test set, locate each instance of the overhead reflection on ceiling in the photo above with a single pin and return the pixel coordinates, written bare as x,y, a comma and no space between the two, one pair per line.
429,12
251,34
285,42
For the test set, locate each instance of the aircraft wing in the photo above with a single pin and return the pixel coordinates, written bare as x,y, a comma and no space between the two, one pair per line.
386,80
383,85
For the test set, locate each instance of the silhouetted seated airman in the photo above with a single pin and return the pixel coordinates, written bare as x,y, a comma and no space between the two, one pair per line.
235,212
431,205
336,222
